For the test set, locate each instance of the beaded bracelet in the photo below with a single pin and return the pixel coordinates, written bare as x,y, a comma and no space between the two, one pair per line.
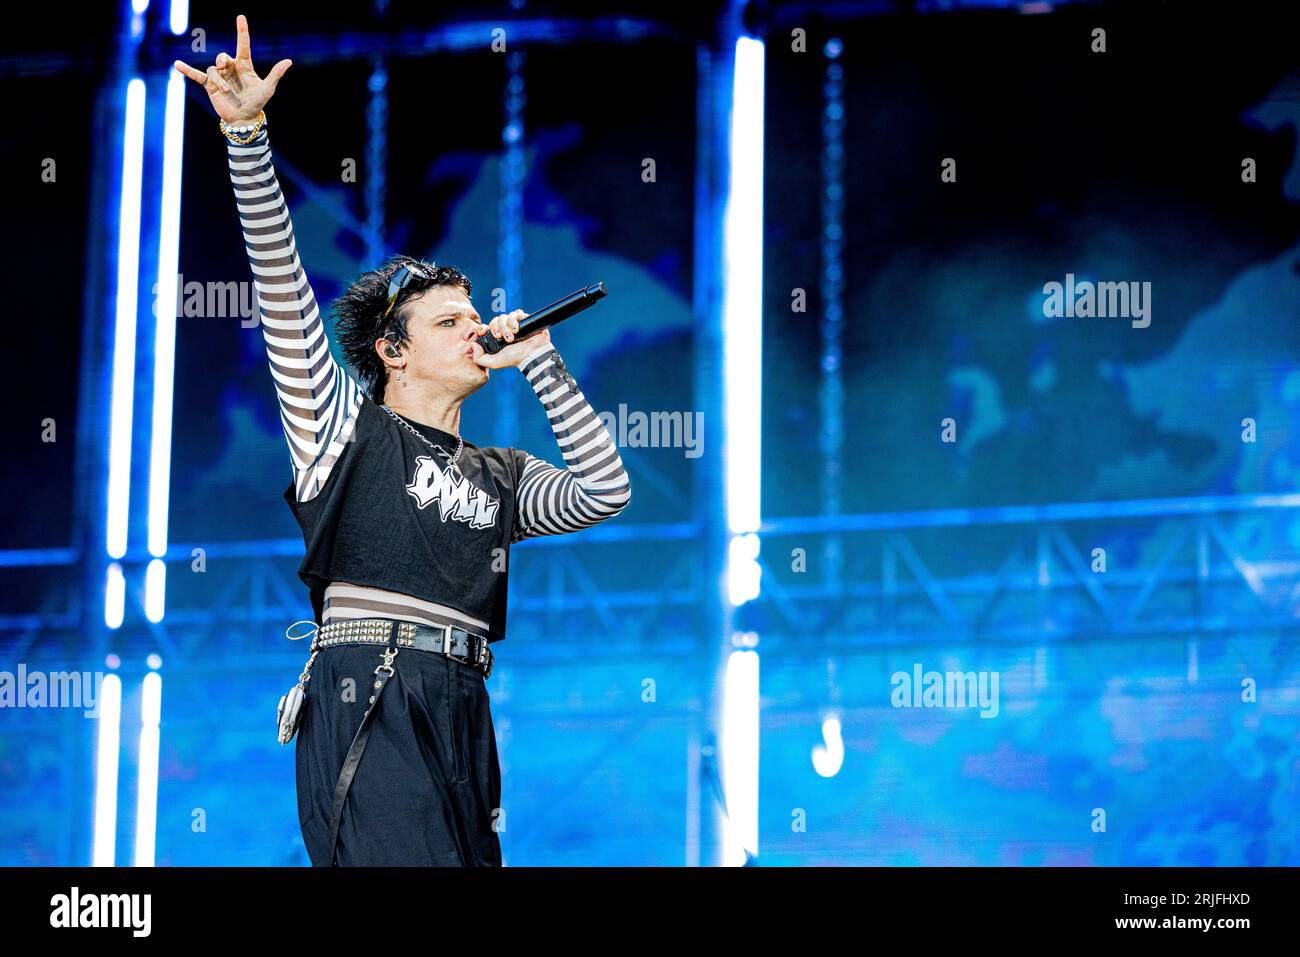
250,130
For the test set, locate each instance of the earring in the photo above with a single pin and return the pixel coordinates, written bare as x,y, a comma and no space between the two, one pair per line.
399,374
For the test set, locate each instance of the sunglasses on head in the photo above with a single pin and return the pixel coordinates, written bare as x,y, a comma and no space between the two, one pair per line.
401,279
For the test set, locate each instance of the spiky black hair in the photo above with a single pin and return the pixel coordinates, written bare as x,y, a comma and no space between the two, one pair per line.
359,316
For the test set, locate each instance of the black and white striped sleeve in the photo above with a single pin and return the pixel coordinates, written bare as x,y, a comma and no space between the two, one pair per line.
593,486
318,399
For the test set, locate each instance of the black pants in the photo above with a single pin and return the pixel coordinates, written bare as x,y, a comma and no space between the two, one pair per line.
428,789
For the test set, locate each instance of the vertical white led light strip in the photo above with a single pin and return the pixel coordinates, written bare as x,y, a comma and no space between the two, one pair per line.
128,267
146,809
106,756
114,595
742,311
740,757
160,452
742,321
180,17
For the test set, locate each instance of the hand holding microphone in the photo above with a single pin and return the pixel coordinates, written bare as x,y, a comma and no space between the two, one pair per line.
513,336
503,330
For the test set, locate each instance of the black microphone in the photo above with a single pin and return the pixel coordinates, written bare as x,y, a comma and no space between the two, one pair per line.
548,316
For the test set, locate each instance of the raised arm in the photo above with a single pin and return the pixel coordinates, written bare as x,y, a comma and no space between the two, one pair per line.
593,486
318,399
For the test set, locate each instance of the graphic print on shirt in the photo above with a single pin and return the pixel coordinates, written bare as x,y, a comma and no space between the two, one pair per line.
457,497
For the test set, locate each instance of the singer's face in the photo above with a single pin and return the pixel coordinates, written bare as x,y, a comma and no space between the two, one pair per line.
441,326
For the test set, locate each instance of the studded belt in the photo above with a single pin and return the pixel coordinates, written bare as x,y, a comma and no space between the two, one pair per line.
456,643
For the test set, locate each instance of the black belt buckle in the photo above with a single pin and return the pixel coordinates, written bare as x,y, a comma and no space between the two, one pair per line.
485,653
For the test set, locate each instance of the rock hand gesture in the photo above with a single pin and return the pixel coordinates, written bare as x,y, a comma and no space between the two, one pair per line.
237,93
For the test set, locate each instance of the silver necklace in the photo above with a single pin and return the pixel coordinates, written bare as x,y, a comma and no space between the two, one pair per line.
460,442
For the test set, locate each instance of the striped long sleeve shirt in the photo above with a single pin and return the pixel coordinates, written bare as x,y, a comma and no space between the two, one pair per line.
321,406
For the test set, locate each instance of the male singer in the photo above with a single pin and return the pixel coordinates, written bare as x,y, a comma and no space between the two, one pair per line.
407,525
